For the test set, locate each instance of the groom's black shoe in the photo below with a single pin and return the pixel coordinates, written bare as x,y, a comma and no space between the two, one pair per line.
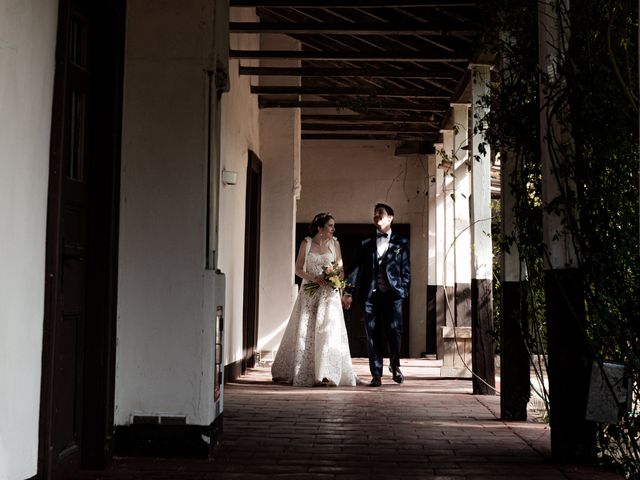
397,374
375,382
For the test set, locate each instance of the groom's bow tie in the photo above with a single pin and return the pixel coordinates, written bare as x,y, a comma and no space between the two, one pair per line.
382,235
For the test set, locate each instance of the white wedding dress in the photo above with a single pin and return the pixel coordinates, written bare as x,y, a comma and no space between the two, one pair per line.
315,348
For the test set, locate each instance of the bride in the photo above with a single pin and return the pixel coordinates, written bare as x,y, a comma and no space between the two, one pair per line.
315,349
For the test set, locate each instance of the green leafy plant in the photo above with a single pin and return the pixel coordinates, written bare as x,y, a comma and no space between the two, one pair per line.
596,106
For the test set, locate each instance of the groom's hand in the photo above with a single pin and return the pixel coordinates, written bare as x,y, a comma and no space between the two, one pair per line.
346,301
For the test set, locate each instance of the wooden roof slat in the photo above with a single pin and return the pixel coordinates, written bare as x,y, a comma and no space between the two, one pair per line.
345,72
368,69
270,102
367,136
365,118
353,3
387,56
289,28
388,127
353,91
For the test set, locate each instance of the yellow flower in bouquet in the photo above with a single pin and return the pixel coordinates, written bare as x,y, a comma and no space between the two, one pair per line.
332,275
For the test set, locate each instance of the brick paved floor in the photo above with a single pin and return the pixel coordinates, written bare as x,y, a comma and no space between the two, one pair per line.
426,428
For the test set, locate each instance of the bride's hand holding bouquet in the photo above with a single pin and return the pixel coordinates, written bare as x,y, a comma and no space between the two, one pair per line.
332,275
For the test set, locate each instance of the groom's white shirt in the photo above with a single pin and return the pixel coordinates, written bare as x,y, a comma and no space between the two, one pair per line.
382,244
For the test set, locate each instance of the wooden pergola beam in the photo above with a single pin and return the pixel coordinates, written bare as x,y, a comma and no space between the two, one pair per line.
364,118
347,72
366,136
351,91
450,29
270,102
395,127
352,3
384,56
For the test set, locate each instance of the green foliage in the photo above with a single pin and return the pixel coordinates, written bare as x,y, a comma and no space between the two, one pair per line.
597,170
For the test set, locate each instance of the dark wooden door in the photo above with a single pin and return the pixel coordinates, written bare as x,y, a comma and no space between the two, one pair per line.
251,262
350,236
77,373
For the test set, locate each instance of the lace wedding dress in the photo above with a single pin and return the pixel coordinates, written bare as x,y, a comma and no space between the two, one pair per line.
315,348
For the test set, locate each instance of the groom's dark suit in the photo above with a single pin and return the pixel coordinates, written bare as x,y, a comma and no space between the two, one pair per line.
380,286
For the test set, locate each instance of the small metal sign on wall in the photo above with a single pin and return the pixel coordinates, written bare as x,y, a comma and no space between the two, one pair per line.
219,334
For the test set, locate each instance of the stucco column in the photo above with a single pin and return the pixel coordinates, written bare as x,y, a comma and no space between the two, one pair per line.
456,339
514,355
462,191
168,290
572,437
280,153
448,192
433,282
27,67
437,267
482,254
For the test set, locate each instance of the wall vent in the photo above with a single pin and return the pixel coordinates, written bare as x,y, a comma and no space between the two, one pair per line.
173,419
146,419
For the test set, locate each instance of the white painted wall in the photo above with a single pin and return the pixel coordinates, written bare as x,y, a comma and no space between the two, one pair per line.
433,277
462,192
165,326
239,134
480,208
280,153
27,55
280,184
349,178
449,225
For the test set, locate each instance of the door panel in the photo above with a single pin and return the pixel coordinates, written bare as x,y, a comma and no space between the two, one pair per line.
251,262
81,237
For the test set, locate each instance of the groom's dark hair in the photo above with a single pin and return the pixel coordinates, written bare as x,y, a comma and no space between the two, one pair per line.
387,208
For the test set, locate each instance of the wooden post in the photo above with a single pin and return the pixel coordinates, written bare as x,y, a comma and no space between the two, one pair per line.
456,338
514,356
433,283
440,249
572,437
462,233
482,253
449,232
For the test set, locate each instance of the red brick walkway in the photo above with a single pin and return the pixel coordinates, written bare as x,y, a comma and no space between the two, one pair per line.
426,428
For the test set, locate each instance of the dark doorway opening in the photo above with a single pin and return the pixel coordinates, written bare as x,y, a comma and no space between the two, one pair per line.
251,263
76,412
350,236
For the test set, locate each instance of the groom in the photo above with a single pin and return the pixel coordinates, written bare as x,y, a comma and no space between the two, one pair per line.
379,281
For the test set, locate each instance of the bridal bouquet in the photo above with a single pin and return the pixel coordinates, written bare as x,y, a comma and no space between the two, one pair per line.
331,274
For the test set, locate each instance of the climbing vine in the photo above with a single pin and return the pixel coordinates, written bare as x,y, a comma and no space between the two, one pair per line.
596,106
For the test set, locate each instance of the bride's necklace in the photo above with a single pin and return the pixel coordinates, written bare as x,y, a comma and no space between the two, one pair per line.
320,243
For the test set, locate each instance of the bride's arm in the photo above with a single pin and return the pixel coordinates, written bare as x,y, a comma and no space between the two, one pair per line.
300,265
339,258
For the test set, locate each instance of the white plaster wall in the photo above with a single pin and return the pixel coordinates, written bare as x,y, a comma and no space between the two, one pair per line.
280,184
280,153
349,178
239,134
449,220
462,189
27,55
164,328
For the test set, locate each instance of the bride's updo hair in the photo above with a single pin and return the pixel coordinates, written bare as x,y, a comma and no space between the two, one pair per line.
319,221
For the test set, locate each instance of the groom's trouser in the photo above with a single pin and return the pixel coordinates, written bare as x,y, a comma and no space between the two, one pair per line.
383,315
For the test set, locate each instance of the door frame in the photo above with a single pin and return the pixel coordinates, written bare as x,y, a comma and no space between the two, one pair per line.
251,263
98,366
